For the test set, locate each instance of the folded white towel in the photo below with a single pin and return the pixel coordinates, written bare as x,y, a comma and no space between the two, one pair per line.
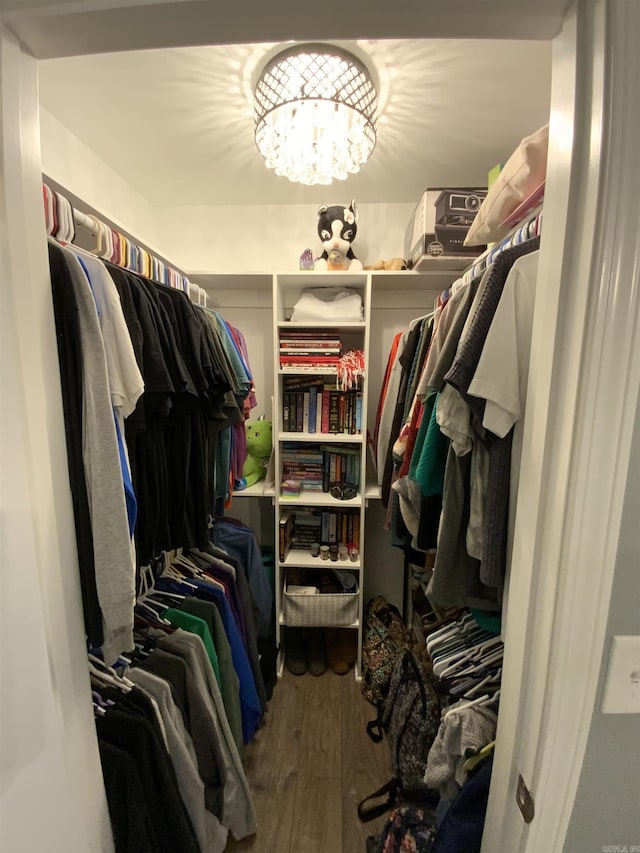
328,304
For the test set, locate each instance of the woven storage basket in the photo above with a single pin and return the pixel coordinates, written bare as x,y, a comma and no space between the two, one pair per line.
324,609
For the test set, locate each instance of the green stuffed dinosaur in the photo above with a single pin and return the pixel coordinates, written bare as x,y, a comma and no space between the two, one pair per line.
259,444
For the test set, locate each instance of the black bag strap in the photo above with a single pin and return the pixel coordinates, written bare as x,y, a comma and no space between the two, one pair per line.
367,813
410,661
374,727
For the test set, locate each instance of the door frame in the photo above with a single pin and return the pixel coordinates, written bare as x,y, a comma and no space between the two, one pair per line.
586,354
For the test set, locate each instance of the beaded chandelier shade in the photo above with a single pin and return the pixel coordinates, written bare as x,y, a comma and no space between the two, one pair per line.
315,113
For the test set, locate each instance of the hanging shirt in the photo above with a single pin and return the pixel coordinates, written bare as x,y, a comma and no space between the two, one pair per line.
210,833
503,370
250,707
115,577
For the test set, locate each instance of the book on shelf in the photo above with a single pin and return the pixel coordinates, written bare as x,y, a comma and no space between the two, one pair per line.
286,421
308,351
293,401
340,526
324,360
305,411
302,528
299,411
298,383
324,419
312,413
333,528
340,465
334,411
313,405
287,520
315,337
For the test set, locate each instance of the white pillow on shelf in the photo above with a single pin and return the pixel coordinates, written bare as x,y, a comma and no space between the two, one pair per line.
523,172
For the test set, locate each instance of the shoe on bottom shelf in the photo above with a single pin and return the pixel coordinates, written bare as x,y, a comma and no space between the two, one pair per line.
296,655
315,651
341,648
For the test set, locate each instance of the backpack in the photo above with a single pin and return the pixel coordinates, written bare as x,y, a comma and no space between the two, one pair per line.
408,828
385,638
410,718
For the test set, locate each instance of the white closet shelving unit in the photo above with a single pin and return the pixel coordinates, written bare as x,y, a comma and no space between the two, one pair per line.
323,609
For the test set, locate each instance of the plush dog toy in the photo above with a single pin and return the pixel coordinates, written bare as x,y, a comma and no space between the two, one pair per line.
392,265
337,228
259,444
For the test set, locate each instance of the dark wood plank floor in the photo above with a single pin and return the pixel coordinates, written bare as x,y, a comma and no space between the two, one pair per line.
310,764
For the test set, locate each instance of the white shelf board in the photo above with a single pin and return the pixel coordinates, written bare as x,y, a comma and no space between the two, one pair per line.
321,437
304,560
380,279
258,490
322,324
373,492
284,624
319,499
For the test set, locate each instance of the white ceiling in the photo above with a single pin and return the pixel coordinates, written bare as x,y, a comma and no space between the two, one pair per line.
177,123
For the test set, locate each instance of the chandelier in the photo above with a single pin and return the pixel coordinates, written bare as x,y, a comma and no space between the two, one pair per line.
315,114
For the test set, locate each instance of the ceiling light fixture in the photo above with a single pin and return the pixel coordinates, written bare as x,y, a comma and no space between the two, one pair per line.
315,114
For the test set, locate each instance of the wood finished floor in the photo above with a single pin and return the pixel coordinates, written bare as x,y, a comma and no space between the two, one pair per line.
310,764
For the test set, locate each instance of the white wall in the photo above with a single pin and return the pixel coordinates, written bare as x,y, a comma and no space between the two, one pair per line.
606,811
215,238
51,793
71,163
269,238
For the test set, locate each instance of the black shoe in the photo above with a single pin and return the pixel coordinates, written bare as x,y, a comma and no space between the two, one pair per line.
296,654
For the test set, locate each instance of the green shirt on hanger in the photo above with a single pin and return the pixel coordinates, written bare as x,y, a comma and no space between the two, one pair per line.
198,626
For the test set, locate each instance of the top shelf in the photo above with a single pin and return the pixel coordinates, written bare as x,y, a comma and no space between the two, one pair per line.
380,279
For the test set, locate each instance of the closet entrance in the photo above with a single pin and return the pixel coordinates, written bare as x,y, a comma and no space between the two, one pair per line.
581,57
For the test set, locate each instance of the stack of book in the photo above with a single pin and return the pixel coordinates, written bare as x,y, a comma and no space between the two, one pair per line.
340,464
311,405
310,349
306,529
299,529
302,464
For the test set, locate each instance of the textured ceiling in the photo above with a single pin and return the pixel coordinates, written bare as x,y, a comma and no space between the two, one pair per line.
177,124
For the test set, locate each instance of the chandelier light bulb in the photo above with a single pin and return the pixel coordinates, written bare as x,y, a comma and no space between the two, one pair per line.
315,113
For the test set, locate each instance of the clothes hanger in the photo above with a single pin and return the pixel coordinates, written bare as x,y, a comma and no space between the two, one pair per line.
98,700
481,700
98,665
149,611
464,647
177,584
482,663
458,626
472,655
466,664
484,683
493,699
110,681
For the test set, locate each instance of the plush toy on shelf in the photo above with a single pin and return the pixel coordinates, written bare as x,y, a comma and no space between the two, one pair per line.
259,445
337,229
391,266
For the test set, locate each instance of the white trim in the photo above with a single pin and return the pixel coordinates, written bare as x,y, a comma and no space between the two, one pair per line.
504,825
